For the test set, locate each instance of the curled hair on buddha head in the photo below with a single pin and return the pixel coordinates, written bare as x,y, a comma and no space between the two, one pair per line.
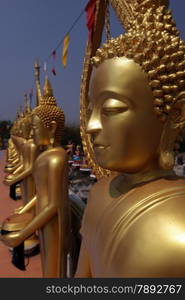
48,111
152,41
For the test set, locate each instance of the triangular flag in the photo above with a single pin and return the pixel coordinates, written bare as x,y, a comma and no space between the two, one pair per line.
65,50
53,71
54,54
54,59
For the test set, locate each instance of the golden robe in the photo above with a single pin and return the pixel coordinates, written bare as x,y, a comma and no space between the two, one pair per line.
140,233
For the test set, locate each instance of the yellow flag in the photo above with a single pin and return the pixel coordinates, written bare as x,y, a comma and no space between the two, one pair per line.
65,50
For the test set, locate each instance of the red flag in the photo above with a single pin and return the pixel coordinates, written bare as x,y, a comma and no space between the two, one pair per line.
90,10
54,59
54,54
53,71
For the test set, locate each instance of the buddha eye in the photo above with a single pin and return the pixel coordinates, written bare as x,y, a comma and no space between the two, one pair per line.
113,107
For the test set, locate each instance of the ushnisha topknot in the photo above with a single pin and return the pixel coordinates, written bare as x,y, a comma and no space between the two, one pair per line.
152,40
47,98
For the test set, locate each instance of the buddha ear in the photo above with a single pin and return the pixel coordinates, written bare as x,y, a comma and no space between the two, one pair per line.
52,131
171,130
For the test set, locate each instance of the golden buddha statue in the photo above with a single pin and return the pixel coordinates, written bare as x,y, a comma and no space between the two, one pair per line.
133,111
12,160
22,174
51,200
11,152
30,151
23,171
19,138
14,157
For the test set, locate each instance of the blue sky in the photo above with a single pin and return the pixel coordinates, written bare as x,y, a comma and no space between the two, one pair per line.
30,29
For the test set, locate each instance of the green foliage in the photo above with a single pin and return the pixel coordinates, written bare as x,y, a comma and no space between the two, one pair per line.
71,133
5,127
182,146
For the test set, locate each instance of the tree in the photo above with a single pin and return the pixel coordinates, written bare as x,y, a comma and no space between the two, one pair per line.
71,133
5,127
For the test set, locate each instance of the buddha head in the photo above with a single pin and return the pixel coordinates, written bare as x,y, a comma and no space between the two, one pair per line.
14,126
26,123
19,123
48,119
137,92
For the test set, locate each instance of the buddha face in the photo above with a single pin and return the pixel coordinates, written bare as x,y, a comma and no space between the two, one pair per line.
26,127
19,128
40,133
124,129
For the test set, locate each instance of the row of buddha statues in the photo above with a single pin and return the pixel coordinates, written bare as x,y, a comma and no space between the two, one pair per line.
132,117
36,161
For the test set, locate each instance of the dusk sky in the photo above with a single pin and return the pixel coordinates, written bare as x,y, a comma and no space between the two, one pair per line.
31,29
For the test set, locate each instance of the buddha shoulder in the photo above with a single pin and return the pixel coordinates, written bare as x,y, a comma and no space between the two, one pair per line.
30,144
55,155
155,230
102,185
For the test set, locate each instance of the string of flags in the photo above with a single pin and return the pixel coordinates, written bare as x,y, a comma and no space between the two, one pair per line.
90,10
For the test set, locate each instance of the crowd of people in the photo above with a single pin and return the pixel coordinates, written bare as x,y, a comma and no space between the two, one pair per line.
81,177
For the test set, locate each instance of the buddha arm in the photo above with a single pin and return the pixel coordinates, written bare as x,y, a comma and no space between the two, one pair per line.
83,268
17,169
12,156
13,167
15,239
56,174
28,206
19,177
14,161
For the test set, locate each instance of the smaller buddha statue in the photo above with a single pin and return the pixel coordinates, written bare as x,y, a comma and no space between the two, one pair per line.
23,175
14,154
11,150
23,172
30,151
11,153
18,140
51,198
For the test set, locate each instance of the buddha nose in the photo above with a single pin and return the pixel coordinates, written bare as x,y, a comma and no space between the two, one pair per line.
94,124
